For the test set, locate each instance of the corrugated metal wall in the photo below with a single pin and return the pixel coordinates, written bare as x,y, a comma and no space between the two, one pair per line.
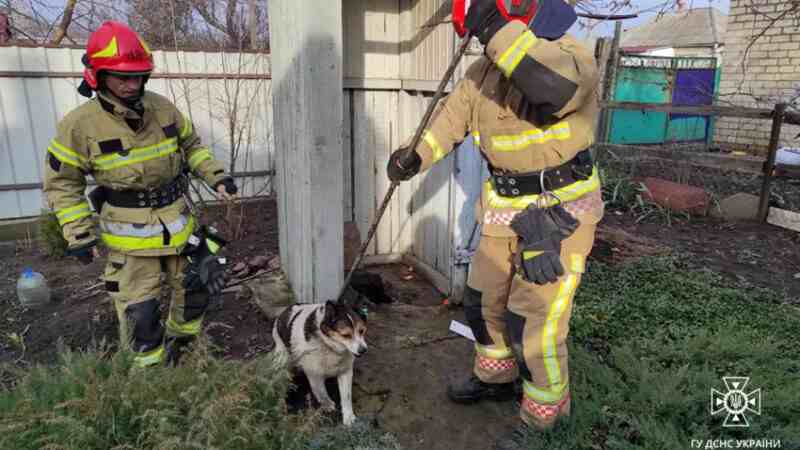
38,87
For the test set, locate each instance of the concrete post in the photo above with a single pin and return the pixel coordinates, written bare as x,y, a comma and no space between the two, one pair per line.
306,43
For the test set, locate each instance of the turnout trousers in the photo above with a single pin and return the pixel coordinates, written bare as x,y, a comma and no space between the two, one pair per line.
521,328
134,283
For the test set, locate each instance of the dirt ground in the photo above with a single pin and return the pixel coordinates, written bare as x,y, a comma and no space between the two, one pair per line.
400,383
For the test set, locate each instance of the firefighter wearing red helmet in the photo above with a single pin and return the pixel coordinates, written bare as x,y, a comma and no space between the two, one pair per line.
530,104
137,146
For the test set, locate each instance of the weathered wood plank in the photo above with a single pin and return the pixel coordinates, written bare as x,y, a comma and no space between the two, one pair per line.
381,120
347,151
790,117
749,164
364,167
727,111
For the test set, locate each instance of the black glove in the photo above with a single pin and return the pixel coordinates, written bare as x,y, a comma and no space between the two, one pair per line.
484,20
84,253
540,232
207,273
230,186
399,169
205,269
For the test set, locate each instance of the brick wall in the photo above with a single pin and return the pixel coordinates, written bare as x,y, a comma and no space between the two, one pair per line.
765,74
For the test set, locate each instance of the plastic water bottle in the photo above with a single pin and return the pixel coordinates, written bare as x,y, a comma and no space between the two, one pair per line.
32,288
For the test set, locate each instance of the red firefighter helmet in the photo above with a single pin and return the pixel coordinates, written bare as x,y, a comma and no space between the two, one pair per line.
114,47
522,10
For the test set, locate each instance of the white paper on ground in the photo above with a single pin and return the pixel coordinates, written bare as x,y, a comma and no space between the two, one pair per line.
461,330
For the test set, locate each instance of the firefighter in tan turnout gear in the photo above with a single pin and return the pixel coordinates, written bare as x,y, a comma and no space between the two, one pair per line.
530,105
135,144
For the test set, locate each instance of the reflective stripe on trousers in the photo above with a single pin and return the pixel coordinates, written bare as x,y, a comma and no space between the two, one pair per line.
122,236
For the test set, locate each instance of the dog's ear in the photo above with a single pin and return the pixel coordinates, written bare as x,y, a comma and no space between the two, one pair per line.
331,312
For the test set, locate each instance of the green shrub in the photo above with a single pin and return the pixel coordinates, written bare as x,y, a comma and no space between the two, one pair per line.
51,236
89,402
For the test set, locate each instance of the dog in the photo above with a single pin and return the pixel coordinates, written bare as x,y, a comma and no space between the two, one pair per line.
323,341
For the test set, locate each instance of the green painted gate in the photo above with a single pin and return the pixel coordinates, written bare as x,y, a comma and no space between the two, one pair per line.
651,79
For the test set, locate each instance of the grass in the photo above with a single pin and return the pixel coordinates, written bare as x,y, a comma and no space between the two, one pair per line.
90,401
651,339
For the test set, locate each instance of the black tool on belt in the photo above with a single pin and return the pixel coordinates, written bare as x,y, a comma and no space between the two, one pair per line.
577,169
130,198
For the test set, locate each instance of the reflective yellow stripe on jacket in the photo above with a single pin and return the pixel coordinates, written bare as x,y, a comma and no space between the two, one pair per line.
438,151
566,194
73,213
560,131
67,155
186,129
511,58
198,157
122,242
137,155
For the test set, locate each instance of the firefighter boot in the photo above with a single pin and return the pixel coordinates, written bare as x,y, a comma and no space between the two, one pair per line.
175,347
536,418
515,440
472,389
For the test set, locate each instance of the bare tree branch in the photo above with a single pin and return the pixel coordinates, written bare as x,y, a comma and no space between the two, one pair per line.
66,18
202,8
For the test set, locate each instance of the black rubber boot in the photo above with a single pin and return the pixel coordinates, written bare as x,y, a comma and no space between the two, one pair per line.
175,347
515,440
472,389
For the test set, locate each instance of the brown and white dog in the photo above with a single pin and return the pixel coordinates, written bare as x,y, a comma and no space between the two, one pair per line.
323,340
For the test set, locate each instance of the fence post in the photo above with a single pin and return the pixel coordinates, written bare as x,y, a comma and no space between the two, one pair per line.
601,134
769,165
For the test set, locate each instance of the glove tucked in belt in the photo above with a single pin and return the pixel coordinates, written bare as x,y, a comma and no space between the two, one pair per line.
541,231
205,270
